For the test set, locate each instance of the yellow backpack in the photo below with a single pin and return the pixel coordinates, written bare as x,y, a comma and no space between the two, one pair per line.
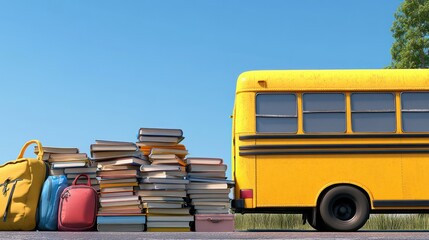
21,182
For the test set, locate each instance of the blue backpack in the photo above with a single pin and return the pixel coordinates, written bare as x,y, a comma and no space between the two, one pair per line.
49,201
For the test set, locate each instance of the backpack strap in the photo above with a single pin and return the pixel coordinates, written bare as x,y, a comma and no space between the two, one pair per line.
4,191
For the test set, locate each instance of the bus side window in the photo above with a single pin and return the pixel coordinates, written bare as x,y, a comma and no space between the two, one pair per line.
276,113
373,112
324,112
415,111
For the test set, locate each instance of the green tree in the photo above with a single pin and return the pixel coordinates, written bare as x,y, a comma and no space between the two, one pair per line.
411,32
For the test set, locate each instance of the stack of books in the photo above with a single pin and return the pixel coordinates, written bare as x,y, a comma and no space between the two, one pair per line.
64,160
208,190
163,184
118,172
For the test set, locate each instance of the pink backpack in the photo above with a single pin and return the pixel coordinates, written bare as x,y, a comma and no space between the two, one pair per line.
78,207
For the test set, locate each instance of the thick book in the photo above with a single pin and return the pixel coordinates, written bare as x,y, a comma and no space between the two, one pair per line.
224,196
57,149
201,185
118,199
166,193
160,218
178,152
168,229
161,139
162,199
162,205
121,161
114,185
199,191
120,227
120,209
119,180
116,194
115,154
210,180
220,175
164,174
164,180
206,168
172,211
151,168
161,132
161,186
167,224
201,160
121,219
173,161
117,189
64,157
122,203
69,164
80,170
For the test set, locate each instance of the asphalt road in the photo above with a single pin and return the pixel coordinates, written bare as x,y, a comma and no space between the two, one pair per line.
230,235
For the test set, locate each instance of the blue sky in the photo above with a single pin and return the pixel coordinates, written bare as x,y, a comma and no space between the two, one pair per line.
72,72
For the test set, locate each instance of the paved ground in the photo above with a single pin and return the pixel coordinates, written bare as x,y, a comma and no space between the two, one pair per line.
234,235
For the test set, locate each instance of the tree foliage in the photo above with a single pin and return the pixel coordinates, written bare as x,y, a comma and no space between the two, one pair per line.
411,33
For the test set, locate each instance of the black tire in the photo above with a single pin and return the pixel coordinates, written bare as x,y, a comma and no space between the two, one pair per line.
344,208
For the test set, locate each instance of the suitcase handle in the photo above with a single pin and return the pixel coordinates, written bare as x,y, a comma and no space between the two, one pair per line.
82,175
39,146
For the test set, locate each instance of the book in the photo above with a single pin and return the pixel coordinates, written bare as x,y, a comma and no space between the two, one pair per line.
121,219
168,229
101,163
74,175
221,174
117,189
104,199
224,196
113,148
69,164
165,180
67,157
178,152
120,227
206,168
114,185
56,149
212,211
149,168
162,139
172,161
115,154
167,224
160,218
201,160
82,181
119,209
200,191
119,167
210,202
161,186
210,180
201,185
118,180
109,142
164,174
173,211
117,172
116,194
162,205
162,199
80,170
161,193
121,203
160,132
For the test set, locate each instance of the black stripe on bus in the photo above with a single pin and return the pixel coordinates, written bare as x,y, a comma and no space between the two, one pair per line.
311,152
330,146
330,136
401,203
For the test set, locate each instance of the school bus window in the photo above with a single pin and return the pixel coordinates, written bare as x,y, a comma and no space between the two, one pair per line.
324,112
415,111
276,113
373,112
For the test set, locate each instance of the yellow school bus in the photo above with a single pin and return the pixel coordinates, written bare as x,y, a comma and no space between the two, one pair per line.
334,145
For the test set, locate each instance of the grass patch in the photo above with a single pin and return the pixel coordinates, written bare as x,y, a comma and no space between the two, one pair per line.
294,222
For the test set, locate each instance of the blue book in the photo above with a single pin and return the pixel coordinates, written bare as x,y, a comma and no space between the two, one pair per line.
121,219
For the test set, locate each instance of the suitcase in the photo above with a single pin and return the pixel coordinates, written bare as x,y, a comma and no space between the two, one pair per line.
49,201
214,222
78,207
21,182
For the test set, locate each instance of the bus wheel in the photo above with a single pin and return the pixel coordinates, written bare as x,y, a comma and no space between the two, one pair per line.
344,208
